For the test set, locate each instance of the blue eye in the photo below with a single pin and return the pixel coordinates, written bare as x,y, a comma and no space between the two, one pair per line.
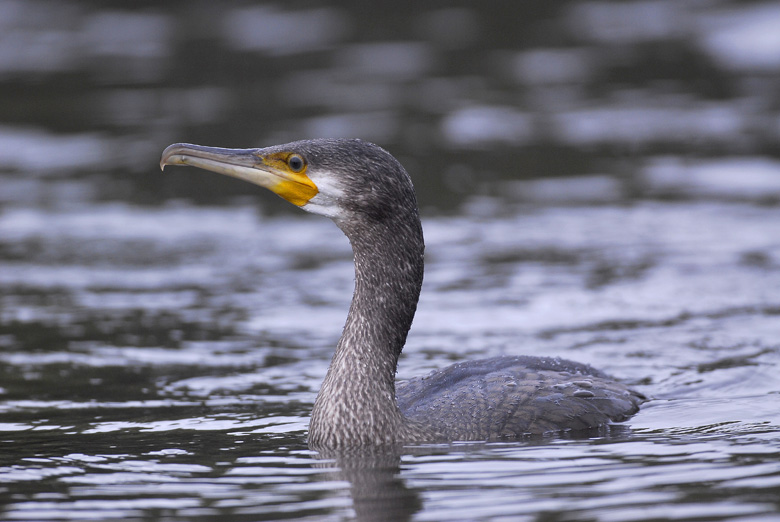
296,163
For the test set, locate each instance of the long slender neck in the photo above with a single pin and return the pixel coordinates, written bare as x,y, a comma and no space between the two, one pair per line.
356,404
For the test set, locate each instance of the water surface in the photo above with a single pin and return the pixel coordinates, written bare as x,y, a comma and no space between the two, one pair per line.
598,181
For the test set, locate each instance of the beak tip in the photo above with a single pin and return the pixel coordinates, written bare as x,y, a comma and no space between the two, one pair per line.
168,153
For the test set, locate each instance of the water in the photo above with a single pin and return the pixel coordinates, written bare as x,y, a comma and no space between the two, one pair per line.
598,181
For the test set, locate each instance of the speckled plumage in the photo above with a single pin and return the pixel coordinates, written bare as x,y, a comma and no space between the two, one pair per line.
369,195
490,399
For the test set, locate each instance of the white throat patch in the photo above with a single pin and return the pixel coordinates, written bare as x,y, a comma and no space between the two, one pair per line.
329,193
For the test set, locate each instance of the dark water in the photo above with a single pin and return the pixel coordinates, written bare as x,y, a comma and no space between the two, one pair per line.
599,181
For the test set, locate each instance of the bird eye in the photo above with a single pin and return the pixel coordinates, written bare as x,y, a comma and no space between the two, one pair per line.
295,162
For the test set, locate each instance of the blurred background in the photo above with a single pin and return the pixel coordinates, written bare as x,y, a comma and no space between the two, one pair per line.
632,97
598,181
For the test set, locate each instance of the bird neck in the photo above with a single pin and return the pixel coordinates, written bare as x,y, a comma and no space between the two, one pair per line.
356,404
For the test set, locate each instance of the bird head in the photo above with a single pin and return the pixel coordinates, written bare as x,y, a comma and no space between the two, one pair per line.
338,178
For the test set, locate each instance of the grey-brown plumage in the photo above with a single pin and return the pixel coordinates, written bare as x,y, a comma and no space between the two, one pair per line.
507,397
370,197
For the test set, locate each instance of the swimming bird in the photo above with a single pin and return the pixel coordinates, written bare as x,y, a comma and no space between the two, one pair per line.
370,197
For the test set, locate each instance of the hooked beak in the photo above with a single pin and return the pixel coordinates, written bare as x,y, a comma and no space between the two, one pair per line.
248,164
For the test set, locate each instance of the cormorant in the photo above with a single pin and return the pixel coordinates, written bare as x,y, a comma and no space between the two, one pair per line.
369,195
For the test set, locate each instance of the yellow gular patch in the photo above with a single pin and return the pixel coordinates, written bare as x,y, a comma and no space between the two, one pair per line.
295,187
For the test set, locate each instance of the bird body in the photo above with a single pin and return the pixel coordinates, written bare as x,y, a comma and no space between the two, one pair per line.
510,396
369,195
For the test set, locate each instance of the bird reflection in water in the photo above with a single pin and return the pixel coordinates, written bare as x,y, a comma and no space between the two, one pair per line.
376,488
